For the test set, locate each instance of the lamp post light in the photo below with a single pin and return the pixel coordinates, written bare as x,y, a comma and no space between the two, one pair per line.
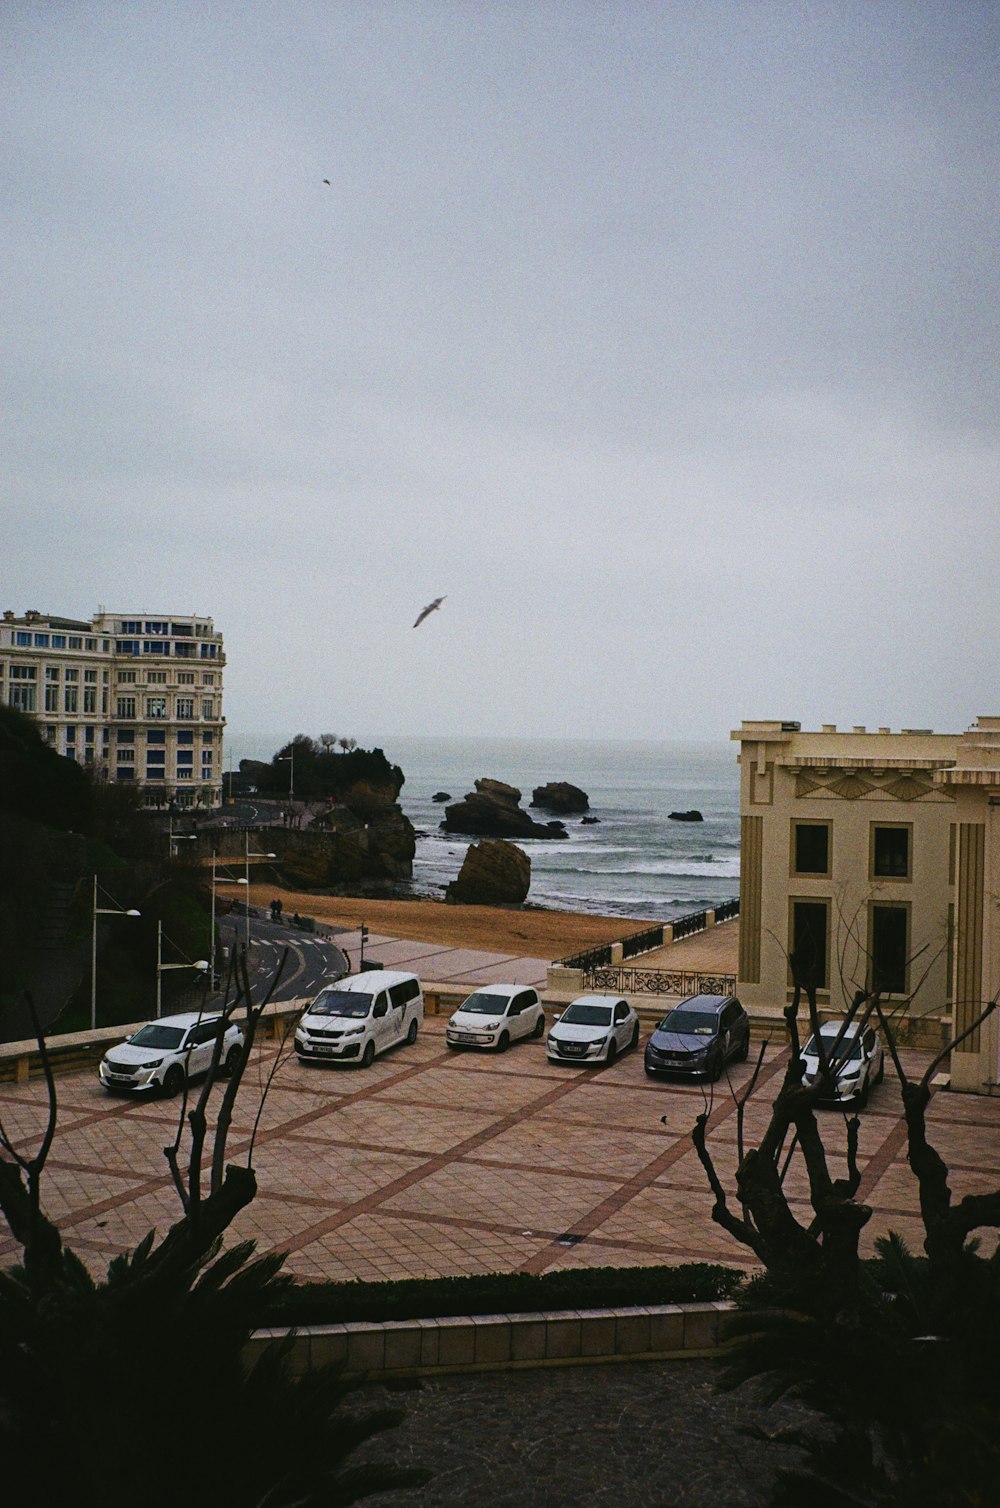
100,911
229,880
250,856
289,759
200,965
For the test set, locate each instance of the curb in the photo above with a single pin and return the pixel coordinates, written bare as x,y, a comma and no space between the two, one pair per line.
373,1350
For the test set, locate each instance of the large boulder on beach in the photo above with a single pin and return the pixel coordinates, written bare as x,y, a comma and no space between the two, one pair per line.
493,810
493,873
560,796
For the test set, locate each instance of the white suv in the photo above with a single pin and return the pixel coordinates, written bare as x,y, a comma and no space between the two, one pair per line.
360,1016
163,1054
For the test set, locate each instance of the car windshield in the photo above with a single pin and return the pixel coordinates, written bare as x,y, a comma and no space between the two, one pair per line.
485,1005
341,1003
154,1035
849,1048
690,1023
579,1014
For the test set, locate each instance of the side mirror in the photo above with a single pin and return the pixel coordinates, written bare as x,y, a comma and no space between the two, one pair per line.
557,1016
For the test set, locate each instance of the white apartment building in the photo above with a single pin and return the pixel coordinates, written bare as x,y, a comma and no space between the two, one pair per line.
875,856
135,697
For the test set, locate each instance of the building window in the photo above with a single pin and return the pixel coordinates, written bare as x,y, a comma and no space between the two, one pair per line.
90,676
185,706
185,756
185,678
125,707
154,628
51,698
52,673
208,679
22,697
126,756
70,739
156,736
184,651
890,852
90,699
69,699
126,677
207,738
183,774
75,642
124,772
22,672
126,735
72,675
185,736
157,677
127,646
92,644
889,947
808,941
156,706
155,647
156,758
41,641
811,848
22,638
208,651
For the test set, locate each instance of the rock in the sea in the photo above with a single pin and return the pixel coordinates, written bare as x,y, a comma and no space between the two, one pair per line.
588,821
441,796
492,810
493,873
560,796
691,816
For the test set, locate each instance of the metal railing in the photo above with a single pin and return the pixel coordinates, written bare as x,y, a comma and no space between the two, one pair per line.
651,937
728,910
695,921
642,942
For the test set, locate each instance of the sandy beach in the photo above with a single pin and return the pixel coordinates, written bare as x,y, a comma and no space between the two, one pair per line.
543,934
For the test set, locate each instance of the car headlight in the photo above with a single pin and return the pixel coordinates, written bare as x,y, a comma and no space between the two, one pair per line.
354,1031
153,1063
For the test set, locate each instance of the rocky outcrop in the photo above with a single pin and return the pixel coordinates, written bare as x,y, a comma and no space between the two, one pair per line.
589,821
441,796
492,810
560,796
493,873
691,816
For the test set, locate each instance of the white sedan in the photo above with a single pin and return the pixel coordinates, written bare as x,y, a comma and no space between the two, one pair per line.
856,1062
593,1029
496,1016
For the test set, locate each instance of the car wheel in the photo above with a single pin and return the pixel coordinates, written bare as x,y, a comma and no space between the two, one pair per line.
612,1052
745,1052
411,1035
539,1030
635,1036
368,1056
173,1080
715,1072
232,1060
504,1042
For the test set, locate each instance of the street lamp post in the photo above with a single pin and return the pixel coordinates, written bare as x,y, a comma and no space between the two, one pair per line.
100,911
230,880
200,965
289,759
250,856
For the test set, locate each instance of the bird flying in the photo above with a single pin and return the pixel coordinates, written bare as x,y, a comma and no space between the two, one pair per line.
430,608
327,182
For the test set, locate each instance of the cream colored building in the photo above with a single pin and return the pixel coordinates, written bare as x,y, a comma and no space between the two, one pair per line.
135,697
873,856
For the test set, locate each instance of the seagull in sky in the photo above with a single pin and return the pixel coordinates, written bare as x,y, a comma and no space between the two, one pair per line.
430,608
327,182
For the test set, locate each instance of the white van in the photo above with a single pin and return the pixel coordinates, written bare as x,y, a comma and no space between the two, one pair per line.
360,1016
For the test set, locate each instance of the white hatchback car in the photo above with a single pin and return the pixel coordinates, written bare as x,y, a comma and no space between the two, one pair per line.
857,1062
496,1016
593,1029
163,1054
359,1016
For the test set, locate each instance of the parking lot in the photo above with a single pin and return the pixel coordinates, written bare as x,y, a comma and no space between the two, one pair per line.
434,1163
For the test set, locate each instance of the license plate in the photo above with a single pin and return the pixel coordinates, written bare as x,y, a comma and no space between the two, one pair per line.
328,1050
467,1037
574,1049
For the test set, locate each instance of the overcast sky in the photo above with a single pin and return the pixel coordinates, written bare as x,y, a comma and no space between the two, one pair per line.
661,338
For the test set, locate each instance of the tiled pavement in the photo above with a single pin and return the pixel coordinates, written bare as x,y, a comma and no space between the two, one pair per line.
434,1163
462,967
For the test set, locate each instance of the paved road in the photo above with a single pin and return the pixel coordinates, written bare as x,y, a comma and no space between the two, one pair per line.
313,960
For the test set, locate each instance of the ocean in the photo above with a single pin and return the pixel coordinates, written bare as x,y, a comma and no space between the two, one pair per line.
633,862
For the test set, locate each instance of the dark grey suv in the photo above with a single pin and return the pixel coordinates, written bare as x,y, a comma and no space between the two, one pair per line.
700,1035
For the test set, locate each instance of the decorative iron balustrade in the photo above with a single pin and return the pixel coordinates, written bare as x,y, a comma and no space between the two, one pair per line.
632,981
595,958
727,910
